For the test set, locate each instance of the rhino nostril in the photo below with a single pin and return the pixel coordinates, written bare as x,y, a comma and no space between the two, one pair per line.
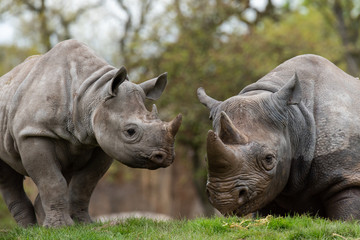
242,196
158,157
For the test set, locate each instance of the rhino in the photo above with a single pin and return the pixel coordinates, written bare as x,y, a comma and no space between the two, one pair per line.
288,143
64,117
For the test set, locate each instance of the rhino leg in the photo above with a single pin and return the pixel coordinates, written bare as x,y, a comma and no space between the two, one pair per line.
344,205
83,183
11,187
39,160
39,210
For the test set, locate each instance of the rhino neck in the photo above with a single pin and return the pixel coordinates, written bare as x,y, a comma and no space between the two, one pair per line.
85,99
302,132
303,138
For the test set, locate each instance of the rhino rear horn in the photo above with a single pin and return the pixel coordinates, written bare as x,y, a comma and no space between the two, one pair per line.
174,125
209,102
229,134
154,112
290,92
119,78
153,88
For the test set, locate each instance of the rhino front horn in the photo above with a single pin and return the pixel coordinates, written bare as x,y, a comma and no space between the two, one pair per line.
218,155
174,125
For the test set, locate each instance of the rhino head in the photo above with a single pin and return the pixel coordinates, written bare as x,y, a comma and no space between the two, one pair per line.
127,131
249,152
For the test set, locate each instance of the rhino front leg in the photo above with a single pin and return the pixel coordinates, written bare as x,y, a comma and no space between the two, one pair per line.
40,162
344,205
11,187
83,183
39,210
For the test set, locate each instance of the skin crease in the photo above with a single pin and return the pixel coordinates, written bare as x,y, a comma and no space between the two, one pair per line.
64,117
287,143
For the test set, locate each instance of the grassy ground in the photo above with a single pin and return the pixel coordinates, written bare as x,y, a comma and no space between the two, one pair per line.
302,227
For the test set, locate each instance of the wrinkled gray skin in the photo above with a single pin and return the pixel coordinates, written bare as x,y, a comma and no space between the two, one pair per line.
64,116
288,143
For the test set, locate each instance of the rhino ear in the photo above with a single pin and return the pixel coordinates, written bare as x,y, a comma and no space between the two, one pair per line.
290,92
119,78
153,88
209,102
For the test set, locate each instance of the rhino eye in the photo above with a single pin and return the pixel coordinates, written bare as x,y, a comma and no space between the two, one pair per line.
269,162
131,132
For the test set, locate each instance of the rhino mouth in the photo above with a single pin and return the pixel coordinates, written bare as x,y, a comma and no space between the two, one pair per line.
156,159
253,204
244,204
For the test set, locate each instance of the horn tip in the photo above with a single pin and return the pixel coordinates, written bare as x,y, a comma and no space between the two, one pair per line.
211,135
200,91
163,74
179,117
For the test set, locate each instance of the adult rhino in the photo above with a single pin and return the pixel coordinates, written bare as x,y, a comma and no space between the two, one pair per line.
63,117
289,142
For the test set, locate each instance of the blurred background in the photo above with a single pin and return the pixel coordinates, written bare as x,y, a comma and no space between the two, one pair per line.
221,45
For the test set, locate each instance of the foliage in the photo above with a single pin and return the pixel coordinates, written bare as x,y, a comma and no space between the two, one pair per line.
344,18
300,227
10,56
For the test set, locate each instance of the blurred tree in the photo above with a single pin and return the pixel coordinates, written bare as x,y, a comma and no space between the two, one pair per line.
344,17
45,22
11,56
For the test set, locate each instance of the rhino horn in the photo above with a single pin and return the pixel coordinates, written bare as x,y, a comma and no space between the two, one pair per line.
290,92
218,155
154,112
209,102
174,125
229,134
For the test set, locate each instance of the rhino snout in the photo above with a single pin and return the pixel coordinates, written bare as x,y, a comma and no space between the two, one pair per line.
228,203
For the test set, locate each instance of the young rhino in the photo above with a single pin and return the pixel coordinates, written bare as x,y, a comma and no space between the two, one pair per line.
64,116
289,143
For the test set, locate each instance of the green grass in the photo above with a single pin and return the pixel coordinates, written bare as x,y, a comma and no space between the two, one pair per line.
302,227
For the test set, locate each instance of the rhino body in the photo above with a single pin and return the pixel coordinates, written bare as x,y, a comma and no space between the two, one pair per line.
64,116
288,143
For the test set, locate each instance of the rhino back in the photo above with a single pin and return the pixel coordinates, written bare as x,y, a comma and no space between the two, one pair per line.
331,95
38,98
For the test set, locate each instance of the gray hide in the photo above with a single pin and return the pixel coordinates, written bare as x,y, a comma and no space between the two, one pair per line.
288,143
64,116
